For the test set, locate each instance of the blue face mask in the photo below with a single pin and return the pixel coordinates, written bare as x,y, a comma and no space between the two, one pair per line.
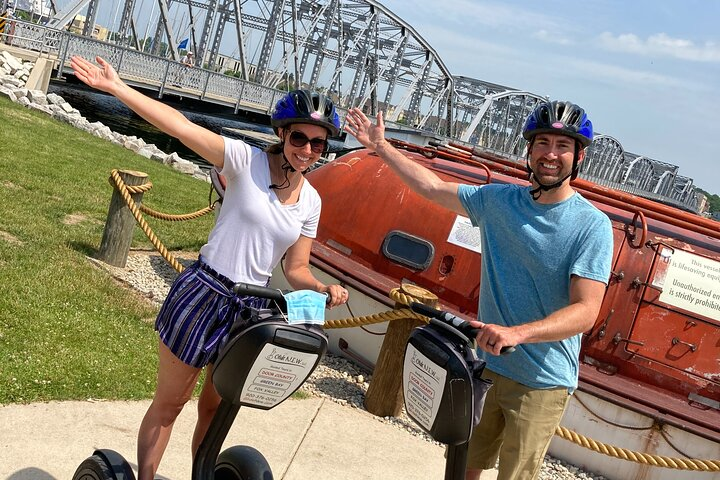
306,306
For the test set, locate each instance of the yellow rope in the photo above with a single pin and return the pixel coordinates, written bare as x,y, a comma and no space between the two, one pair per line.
145,187
397,314
124,191
406,313
175,218
638,457
374,318
405,299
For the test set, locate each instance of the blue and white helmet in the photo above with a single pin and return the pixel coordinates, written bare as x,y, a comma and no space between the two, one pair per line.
562,118
304,106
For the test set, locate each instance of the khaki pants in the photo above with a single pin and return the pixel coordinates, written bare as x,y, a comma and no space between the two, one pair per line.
517,425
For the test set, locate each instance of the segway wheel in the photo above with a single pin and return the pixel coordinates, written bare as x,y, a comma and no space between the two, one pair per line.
104,465
242,463
93,468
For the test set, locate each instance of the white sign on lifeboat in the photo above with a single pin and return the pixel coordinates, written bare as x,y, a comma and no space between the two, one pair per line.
691,282
464,234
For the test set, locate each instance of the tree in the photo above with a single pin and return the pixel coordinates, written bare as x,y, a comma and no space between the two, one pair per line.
288,83
713,200
22,15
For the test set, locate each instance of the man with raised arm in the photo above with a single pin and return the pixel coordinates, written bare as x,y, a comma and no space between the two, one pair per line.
546,255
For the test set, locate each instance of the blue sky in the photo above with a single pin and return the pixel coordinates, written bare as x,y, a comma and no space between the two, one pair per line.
647,72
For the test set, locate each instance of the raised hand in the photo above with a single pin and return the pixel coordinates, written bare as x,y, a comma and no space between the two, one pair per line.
359,126
103,78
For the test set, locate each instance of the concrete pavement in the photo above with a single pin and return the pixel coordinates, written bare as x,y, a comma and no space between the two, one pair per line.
311,438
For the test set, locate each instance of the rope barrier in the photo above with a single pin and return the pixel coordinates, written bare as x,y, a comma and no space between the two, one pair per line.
374,318
396,314
405,313
125,191
175,218
638,457
145,187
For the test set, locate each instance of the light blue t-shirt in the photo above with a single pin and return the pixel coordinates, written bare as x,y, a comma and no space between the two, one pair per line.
529,252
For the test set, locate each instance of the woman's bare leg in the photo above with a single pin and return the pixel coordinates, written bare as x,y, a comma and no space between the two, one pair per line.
175,383
207,406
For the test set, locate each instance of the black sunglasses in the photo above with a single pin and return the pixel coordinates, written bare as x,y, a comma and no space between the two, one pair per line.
299,139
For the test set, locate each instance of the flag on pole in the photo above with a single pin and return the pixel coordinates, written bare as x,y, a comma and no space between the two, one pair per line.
184,43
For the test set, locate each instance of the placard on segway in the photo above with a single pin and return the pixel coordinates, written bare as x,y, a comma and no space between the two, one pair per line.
267,362
442,387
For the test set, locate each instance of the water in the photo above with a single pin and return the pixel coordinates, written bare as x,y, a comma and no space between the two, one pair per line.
98,107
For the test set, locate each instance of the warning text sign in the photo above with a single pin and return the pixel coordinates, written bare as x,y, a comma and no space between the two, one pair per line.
692,282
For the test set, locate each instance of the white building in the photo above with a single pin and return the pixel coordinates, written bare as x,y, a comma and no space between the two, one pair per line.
36,7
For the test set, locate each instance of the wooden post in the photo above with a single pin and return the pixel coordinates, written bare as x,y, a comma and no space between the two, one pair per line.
384,396
118,234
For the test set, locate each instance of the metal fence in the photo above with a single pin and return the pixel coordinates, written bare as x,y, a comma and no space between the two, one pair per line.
142,69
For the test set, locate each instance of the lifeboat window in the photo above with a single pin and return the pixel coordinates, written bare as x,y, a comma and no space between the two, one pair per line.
408,250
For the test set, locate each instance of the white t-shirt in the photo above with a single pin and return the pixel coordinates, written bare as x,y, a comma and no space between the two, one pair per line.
253,229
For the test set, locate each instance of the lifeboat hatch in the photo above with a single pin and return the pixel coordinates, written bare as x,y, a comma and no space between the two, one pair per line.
621,301
678,322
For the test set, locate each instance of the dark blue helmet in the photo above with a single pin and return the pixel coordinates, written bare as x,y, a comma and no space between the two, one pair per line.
562,118
304,106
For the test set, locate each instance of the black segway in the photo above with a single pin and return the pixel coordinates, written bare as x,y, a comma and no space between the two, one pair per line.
264,361
442,385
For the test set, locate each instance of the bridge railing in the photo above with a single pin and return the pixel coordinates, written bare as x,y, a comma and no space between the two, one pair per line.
149,71
30,36
689,204
143,69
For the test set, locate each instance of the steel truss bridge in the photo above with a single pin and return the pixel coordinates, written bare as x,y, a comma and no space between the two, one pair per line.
357,51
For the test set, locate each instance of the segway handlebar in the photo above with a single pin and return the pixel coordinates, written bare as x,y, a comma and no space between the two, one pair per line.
274,294
463,326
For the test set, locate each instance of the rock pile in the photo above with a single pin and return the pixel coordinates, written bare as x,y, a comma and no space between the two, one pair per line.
13,76
14,69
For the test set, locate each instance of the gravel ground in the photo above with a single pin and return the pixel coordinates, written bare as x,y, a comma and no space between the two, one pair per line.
335,378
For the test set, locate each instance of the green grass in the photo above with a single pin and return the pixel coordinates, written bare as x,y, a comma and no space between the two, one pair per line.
67,329
300,395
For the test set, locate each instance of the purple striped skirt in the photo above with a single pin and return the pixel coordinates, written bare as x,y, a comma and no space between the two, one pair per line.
195,319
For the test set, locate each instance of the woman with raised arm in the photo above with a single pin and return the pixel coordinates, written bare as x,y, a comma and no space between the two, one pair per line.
269,211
